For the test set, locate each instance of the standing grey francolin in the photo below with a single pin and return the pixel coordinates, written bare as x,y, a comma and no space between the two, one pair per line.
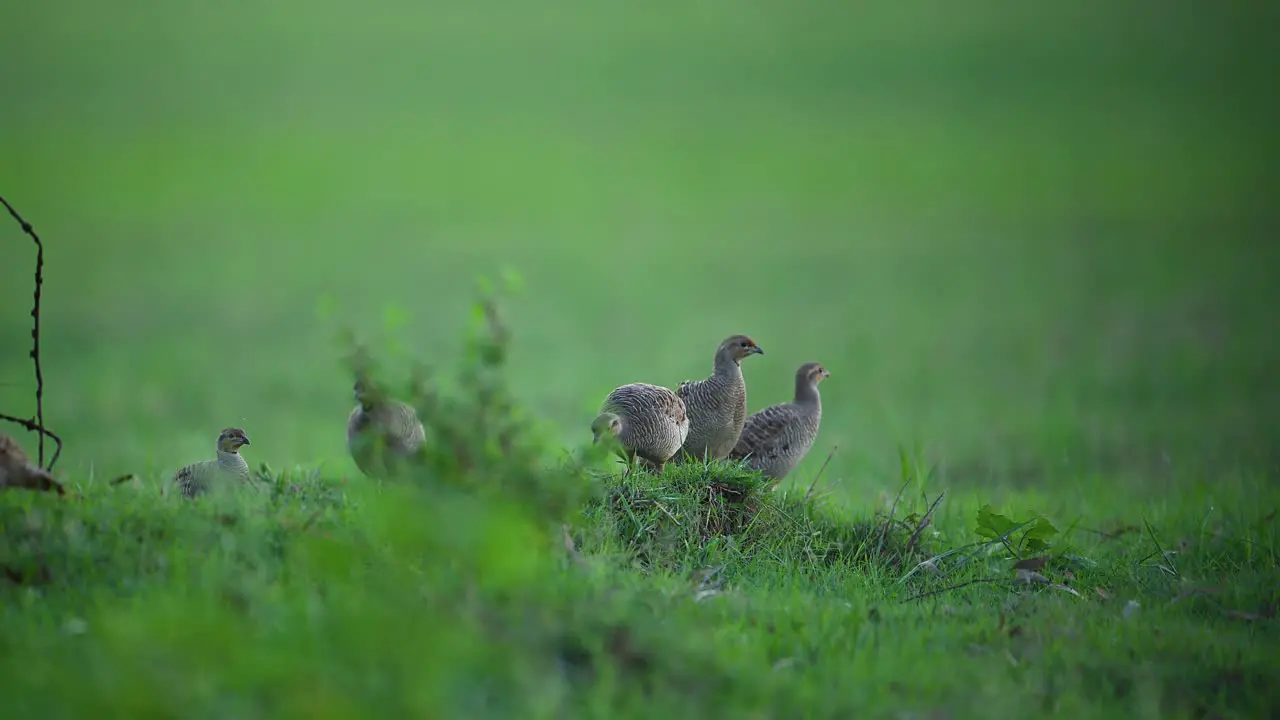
648,422
382,432
198,478
717,406
775,439
17,470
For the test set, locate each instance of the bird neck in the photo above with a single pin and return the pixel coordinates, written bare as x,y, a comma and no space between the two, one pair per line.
230,458
807,395
726,366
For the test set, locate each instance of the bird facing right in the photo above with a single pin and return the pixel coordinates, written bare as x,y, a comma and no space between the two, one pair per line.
382,433
775,439
196,478
717,405
647,421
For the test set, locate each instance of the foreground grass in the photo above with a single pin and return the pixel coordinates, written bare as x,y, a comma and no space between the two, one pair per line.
333,599
495,584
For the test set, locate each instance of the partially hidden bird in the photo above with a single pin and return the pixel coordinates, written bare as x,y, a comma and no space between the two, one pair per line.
230,467
383,433
17,470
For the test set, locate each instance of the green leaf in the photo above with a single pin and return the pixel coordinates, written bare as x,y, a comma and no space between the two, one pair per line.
992,524
1041,530
1034,545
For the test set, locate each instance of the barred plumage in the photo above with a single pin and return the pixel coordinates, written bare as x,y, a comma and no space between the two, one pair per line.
717,406
382,433
775,439
198,478
648,421
17,470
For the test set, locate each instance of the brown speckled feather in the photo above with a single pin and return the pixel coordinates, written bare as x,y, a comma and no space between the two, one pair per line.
17,470
654,420
11,453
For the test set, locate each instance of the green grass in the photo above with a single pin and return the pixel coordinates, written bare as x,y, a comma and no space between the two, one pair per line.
1034,246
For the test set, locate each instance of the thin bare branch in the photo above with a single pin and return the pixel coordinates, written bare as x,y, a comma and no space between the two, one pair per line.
36,424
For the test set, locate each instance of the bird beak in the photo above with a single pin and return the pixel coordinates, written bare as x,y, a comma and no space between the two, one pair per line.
825,374
244,439
595,438
757,350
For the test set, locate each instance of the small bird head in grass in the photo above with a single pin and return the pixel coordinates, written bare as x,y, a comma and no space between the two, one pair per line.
738,347
231,439
607,425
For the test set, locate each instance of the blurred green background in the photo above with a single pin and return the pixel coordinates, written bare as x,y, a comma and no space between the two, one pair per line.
1036,239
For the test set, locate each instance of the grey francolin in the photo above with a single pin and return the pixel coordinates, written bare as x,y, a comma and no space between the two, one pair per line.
717,406
646,421
775,439
198,478
17,470
382,433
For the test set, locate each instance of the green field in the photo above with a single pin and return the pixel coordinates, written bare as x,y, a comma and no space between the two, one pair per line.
1035,247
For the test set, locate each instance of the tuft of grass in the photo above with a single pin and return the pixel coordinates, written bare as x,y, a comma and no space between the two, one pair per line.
723,513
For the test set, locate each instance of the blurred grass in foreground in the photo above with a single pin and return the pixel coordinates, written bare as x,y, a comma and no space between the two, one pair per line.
1036,240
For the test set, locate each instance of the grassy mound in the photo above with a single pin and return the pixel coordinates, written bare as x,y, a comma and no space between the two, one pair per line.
716,513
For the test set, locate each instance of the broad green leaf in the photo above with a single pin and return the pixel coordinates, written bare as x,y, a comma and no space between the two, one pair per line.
1035,545
1041,530
992,524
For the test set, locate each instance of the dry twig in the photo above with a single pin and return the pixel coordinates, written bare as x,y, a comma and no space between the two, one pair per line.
35,424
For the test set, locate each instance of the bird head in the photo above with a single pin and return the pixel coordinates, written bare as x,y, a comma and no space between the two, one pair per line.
606,425
737,347
811,374
231,439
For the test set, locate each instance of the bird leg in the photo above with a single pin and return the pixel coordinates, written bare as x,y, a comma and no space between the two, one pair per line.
650,466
